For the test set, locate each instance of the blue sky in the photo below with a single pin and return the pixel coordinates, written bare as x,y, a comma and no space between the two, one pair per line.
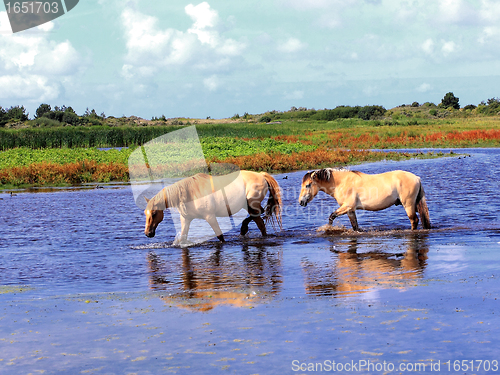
219,58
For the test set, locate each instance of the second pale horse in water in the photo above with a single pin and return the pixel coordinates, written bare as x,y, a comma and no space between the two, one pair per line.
360,191
205,197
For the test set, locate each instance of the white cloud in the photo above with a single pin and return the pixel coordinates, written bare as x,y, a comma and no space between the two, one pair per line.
490,11
405,12
318,4
330,21
60,59
308,4
489,34
424,87
370,90
32,66
144,40
448,48
291,45
28,87
294,95
428,46
205,19
330,12
456,11
211,83
151,48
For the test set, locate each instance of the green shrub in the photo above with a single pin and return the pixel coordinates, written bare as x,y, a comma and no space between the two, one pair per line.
42,109
450,100
491,107
45,122
470,107
371,112
13,114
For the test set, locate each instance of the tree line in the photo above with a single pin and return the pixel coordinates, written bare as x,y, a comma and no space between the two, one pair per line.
46,116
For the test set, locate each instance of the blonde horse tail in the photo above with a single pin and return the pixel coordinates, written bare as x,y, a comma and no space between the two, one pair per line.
274,203
422,208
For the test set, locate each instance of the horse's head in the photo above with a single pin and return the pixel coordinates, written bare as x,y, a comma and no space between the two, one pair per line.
153,218
309,189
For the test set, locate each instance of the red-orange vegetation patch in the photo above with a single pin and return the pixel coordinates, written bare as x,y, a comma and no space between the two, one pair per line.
292,139
72,173
437,139
303,160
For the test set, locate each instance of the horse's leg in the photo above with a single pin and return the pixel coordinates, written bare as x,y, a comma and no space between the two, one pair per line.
340,211
255,213
185,223
261,225
212,220
254,210
412,214
244,225
354,220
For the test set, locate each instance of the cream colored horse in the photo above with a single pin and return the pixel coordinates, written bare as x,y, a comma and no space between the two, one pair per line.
205,197
359,191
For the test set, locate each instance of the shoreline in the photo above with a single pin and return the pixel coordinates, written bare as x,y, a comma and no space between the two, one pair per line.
397,156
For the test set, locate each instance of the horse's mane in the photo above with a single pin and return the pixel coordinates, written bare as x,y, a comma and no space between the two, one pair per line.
325,174
185,190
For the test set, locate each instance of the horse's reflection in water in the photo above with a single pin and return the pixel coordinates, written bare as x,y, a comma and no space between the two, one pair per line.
360,270
201,283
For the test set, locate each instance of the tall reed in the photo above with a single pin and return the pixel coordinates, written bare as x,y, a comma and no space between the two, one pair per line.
98,136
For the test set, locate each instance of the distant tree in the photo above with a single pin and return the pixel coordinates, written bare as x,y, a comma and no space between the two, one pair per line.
371,111
92,115
3,117
450,100
42,109
17,113
60,109
494,102
470,106
415,104
13,114
492,107
69,117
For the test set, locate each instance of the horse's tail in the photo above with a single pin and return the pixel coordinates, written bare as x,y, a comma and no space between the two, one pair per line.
422,208
274,203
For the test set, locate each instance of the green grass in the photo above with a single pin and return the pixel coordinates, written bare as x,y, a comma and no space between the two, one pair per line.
224,147
289,145
213,147
24,156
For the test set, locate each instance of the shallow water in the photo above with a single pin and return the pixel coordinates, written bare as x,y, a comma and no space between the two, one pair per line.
82,288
